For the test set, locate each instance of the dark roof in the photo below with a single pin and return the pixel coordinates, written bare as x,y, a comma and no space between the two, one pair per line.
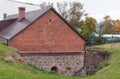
17,26
5,23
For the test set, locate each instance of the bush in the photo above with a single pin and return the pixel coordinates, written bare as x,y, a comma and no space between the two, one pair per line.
102,65
99,40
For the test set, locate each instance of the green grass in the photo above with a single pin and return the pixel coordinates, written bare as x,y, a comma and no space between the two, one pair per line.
23,71
5,50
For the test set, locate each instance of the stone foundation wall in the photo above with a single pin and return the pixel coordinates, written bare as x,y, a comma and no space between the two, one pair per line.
92,60
71,64
66,64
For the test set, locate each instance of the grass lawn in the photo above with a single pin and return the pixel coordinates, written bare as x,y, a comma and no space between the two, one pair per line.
22,71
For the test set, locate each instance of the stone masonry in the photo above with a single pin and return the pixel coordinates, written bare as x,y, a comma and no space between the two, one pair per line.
71,64
92,60
66,64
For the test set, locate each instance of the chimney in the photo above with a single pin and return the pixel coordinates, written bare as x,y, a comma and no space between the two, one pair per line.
4,15
21,13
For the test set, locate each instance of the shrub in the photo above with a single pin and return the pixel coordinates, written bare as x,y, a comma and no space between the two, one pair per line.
102,65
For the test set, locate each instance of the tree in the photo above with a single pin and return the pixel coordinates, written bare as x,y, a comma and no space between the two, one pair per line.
76,12
107,17
72,12
117,25
45,5
62,8
88,27
107,26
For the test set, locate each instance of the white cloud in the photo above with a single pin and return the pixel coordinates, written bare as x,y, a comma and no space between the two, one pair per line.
39,1
98,16
114,14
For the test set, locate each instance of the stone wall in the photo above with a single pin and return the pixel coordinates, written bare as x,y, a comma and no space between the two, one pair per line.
92,60
66,64
71,64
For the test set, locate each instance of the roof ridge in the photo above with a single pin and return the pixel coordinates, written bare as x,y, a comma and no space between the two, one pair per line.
30,11
40,9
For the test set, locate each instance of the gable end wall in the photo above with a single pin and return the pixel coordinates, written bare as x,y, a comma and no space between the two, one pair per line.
48,33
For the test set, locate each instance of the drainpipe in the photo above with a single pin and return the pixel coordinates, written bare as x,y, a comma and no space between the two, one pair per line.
84,60
7,42
83,64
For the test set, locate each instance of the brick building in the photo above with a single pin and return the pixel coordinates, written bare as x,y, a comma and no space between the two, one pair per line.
44,39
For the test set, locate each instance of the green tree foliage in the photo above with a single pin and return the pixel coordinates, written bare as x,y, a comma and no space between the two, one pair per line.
88,27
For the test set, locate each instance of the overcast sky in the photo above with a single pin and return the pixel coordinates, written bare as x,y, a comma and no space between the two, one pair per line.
95,8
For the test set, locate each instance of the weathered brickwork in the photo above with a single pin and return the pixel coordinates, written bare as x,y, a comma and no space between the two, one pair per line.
48,33
66,64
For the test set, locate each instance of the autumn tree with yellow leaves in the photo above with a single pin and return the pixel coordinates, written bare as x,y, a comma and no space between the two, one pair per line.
117,25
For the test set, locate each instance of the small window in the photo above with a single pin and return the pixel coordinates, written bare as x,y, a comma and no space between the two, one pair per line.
50,20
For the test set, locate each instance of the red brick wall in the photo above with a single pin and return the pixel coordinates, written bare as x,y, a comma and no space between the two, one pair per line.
43,35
